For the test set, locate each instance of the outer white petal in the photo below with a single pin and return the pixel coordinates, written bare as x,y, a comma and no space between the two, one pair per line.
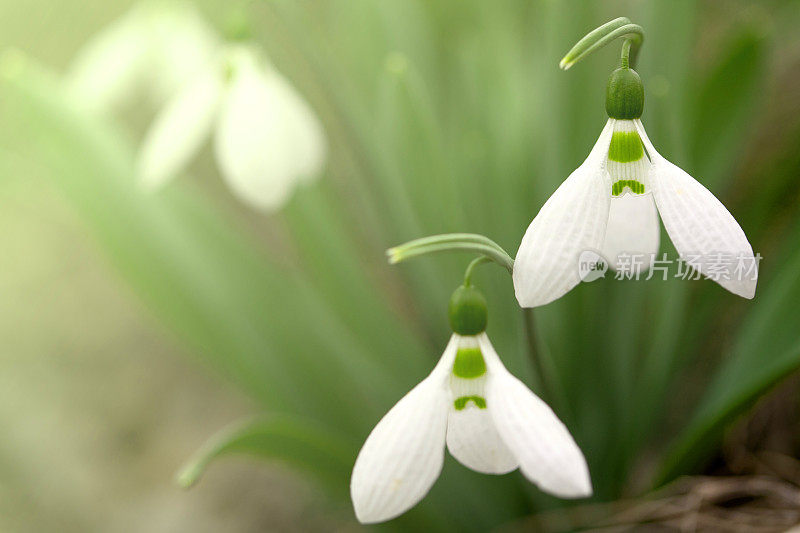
108,70
179,131
268,140
403,455
182,47
703,231
632,229
571,221
474,441
547,454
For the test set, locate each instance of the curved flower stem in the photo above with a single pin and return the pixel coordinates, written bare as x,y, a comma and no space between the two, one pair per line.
601,36
465,242
471,267
543,378
625,61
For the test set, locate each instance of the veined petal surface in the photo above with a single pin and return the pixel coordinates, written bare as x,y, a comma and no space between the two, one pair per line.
267,140
473,440
703,231
632,232
179,130
547,453
572,220
403,455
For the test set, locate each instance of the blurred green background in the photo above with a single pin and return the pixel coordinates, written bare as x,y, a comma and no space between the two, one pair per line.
137,326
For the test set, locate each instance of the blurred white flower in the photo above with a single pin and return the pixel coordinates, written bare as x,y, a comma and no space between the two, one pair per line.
489,420
611,204
266,137
151,50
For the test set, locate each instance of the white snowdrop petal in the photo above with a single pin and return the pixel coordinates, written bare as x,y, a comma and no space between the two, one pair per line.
108,69
473,440
632,231
179,131
403,455
304,128
572,220
182,46
547,454
703,231
267,140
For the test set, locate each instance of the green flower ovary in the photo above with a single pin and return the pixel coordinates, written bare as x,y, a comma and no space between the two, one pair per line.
469,363
461,402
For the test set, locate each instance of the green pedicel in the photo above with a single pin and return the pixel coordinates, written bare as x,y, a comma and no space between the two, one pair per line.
461,403
469,363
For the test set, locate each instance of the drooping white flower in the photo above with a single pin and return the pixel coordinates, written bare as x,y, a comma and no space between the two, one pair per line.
266,138
150,50
488,420
611,204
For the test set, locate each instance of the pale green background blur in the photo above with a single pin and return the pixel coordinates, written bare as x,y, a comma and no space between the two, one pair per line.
98,405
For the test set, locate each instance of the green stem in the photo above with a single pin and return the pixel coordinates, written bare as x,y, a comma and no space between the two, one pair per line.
608,32
626,53
545,378
464,242
471,267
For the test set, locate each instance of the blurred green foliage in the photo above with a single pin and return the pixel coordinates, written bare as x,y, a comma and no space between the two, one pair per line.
451,116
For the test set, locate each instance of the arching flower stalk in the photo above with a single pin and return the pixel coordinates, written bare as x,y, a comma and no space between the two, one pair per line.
488,420
612,202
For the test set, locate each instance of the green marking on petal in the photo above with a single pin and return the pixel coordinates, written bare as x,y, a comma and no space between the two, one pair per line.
469,363
461,403
637,187
625,147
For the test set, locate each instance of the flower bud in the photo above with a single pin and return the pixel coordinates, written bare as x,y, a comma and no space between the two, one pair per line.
624,95
468,313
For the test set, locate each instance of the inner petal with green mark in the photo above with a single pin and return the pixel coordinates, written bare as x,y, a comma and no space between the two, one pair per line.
627,163
461,402
469,363
468,377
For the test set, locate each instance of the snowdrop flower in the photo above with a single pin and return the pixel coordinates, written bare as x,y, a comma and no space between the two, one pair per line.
488,420
266,137
612,203
151,50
